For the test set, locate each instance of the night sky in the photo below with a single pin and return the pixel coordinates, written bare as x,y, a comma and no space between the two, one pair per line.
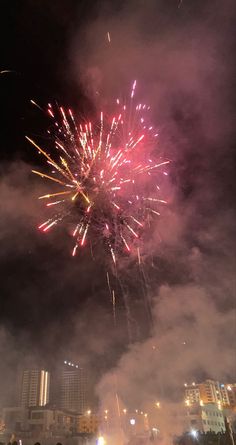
55,307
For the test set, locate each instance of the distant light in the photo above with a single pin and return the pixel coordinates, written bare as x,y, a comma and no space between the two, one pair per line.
229,388
132,421
185,385
89,411
101,440
124,410
193,383
65,362
158,404
155,431
194,433
201,403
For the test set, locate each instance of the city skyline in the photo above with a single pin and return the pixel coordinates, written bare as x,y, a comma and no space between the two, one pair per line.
206,408
161,311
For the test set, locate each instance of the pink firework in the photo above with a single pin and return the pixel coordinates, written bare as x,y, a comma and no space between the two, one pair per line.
107,183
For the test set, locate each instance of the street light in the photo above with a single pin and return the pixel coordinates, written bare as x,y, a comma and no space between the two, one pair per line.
194,433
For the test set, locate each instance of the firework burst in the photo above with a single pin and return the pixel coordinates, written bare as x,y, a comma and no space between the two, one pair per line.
106,182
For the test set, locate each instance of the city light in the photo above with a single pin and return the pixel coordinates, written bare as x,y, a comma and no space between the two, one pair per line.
101,440
158,405
124,410
194,433
132,421
70,364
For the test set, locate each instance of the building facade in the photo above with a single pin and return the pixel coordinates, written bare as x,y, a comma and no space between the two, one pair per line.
89,423
211,391
15,418
205,418
73,388
40,421
231,391
34,388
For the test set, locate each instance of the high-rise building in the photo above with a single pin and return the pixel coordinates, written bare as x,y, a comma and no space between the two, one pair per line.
73,388
192,394
230,388
34,388
209,391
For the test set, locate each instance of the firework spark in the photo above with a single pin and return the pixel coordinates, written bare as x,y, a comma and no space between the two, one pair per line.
105,182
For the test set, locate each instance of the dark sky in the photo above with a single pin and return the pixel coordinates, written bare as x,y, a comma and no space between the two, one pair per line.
182,54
